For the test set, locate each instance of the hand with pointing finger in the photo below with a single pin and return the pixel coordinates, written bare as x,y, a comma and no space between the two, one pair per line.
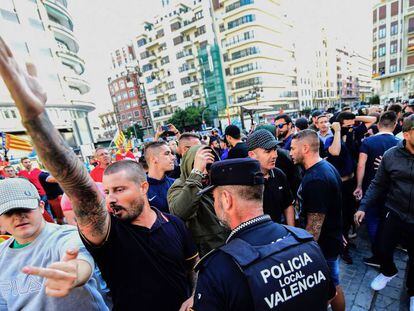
61,277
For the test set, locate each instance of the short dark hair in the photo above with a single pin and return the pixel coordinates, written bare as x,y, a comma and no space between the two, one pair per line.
187,135
153,145
24,158
311,136
134,170
316,113
284,117
233,131
247,193
388,119
345,115
397,108
408,123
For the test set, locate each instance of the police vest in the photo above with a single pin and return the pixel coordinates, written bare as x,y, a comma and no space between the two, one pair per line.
288,274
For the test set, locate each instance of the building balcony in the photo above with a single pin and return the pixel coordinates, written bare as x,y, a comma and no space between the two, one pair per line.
58,9
83,104
72,60
153,43
65,35
80,84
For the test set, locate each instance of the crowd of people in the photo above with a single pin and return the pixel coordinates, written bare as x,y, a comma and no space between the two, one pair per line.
252,220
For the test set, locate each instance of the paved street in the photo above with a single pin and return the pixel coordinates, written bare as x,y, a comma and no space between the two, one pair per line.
356,281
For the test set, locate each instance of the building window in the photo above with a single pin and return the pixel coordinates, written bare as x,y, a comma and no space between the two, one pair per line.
248,82
175,26
165,60
172,98
394,28
393,65
178,40
114,99
123,117
9,16
121,84
118,97
411,25
198,15
141,42
382,12
381,50
382,32
246,52
410,60
241,20
394,8
374,16
411,3
238,4
124,95
132,93
393,47
134,103
127,105
116,88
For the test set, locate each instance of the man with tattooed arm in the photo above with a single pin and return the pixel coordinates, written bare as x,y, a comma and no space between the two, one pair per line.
320,201
145,256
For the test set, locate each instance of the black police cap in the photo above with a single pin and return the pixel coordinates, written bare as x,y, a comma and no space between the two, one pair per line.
241,172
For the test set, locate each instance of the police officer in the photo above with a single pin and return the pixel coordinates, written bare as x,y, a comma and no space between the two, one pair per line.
263,265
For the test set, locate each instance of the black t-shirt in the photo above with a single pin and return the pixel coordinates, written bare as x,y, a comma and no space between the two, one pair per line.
320,192
52,189
277,195
238,151
146,269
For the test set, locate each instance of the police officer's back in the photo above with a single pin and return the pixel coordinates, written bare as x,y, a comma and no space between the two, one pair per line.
263,265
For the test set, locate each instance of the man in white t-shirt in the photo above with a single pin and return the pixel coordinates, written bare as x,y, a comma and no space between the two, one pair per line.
43,266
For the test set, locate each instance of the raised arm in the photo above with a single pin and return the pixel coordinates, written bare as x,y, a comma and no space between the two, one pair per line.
59,159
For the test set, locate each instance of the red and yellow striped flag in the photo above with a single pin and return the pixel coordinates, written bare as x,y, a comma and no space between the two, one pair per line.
129,145
119,139
17,143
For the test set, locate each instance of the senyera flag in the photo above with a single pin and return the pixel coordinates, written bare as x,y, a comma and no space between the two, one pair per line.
17,143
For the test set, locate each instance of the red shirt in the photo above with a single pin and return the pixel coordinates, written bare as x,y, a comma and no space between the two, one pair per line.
97,174
33,177
122,156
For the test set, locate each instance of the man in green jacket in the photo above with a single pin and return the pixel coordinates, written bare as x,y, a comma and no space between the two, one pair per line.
197,210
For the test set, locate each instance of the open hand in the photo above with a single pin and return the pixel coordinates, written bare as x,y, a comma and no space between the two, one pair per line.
23,86
61,277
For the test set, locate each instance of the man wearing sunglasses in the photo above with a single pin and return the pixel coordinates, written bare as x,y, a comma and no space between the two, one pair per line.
284,130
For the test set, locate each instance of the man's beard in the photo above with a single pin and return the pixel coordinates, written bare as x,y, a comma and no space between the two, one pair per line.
222,218
133,212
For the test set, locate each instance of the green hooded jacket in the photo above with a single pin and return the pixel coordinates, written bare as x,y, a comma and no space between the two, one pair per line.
196,211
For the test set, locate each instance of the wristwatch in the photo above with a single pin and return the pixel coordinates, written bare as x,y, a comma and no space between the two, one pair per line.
198,172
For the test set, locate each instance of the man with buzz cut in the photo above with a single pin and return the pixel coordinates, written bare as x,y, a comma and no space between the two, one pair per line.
43,266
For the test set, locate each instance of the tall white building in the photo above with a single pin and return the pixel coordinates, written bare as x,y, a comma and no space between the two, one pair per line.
258,54
178,55
43,32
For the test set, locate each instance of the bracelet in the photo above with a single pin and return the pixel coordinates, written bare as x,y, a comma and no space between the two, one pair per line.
198,172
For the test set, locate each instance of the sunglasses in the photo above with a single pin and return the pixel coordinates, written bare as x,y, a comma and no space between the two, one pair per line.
281,125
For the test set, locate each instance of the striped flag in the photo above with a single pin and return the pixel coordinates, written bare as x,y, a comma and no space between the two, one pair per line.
17,143
129,145
119,139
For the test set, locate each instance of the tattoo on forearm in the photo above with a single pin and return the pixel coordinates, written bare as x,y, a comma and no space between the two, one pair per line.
62,163
314,224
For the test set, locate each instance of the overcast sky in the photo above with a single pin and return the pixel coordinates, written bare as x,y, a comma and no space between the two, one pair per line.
103,25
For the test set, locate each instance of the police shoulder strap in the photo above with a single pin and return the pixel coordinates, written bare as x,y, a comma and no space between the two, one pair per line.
245,254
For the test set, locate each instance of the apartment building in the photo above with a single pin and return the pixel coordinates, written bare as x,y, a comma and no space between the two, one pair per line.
393,49
128,91
259,58
43,32
179,60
